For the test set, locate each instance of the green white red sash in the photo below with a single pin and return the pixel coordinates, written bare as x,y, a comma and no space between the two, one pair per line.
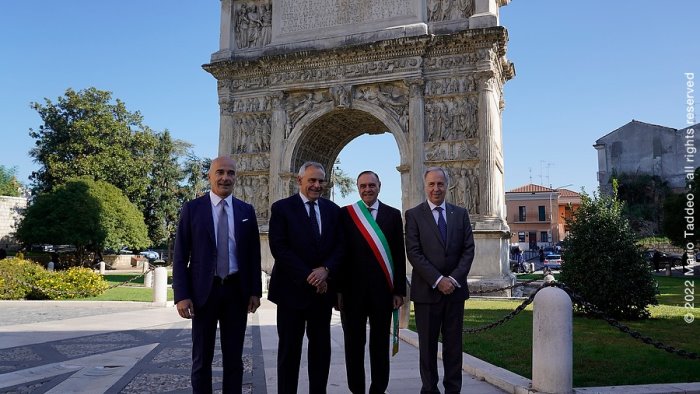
377,242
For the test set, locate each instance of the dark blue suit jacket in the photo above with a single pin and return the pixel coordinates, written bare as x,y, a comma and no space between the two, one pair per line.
194,264
296,252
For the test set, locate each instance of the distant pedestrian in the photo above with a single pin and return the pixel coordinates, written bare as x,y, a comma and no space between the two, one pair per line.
541,255
656,260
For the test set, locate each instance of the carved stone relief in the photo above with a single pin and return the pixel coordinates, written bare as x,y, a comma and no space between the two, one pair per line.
447,151
253,162
252,133
450,86
453,118
255,190
253,25
299,104
464,187
443,10
451,62
392,97
254,104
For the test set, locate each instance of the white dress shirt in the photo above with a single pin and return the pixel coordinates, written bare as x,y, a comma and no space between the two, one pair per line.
216,212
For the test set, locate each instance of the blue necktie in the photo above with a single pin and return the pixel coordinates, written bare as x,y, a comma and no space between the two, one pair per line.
442,225
222,264
314,221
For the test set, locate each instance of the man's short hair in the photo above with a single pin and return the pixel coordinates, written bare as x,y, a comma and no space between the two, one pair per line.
368,172
444,173
308,164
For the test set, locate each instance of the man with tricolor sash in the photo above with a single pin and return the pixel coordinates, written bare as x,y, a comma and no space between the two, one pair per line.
372,284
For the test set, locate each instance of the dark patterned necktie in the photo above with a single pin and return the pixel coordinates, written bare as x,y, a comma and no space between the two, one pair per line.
442,225
222,243
314,221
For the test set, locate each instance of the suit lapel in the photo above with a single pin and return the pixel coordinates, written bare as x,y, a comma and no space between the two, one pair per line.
209,218
238,216
451,221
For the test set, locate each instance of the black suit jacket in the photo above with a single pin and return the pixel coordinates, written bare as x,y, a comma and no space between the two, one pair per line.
430,257
297,253
194,264
361,273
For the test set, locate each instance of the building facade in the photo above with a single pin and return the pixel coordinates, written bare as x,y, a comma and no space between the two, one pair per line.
537,215
11,209
644,148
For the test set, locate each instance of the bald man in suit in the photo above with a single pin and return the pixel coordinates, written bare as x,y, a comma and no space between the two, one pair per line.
216,275
440,247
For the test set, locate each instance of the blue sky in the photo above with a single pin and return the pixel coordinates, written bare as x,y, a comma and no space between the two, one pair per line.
583,69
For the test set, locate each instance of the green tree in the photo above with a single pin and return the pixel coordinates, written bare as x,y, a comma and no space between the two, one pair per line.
603,262
195,170
643,196
92,215
87,133
680,224
340,180
9,185
162,201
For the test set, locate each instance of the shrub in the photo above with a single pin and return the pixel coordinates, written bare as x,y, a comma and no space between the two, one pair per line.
17,277
24,279
603,263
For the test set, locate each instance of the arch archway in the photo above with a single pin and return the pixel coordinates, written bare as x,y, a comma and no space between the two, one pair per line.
436,86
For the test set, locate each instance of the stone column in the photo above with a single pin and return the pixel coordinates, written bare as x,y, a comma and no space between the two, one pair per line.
416,131
226,34
485,13
226,134
278,138
488,130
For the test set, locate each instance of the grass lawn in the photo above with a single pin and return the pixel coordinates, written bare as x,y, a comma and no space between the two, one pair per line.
603,356
134,291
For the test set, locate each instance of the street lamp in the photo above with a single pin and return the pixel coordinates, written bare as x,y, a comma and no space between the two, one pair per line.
551,219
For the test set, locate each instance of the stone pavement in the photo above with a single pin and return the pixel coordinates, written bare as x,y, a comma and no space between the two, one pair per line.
125,347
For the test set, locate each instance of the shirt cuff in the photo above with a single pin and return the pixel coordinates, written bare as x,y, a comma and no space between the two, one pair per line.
437,281
454,281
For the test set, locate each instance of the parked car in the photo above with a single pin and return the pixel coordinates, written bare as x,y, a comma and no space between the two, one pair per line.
553,261
150,254
665,258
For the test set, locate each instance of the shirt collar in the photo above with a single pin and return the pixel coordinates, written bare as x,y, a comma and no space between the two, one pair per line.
215,199
433,206
374,206
304,199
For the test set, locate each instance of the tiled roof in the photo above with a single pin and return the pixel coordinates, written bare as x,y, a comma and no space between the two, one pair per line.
567,193
530,188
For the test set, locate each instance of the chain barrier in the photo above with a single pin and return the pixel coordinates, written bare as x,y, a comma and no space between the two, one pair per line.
623,328
587,306
59,293
513,286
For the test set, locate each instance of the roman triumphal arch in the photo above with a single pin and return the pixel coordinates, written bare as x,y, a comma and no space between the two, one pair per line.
299,79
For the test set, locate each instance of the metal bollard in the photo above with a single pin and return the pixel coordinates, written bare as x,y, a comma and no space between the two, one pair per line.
552,342
160,287
102,267
148,279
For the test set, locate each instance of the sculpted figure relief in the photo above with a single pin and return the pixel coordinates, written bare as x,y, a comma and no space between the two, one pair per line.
443,10
392,97
254,133
299,104
253,25
451,119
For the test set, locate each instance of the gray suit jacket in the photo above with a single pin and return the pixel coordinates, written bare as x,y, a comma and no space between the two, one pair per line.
430,257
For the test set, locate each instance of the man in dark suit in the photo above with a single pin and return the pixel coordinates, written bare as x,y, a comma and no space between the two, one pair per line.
372,283
305,242
216,275
440,247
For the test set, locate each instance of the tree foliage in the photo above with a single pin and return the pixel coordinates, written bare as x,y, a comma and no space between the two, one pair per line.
86,133
9,185
680,212
643,196
603,262
162,198
340,180
92,215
